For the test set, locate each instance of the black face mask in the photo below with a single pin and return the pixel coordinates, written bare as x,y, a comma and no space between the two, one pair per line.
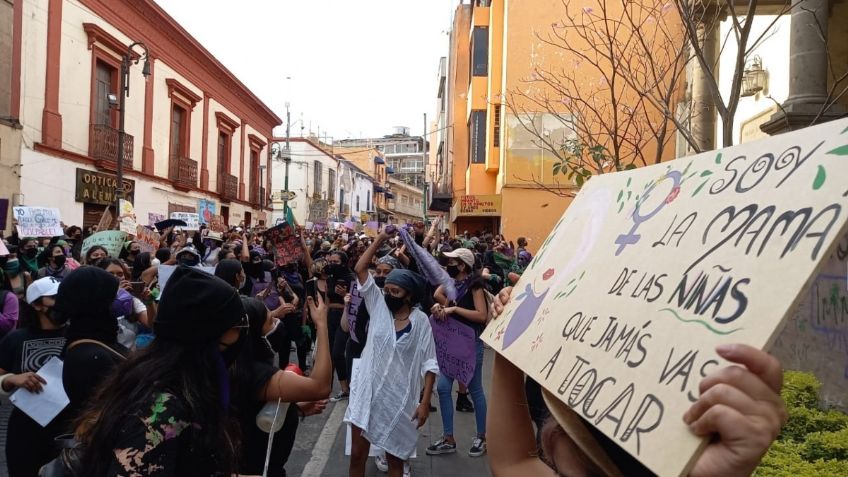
31,252
453,270
59,261
334,269
380,281
394,303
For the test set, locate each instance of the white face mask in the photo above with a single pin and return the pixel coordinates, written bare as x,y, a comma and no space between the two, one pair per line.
155,262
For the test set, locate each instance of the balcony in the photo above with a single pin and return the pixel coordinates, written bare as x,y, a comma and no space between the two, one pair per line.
183,172
258,197
103,141
228,187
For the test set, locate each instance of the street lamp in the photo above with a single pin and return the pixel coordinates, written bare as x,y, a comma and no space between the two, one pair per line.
122,95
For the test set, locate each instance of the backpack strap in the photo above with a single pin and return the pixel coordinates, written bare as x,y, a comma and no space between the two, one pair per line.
101,344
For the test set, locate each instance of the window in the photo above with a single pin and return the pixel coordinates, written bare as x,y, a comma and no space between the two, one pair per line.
389,149
316,185
413,164
404,199
480,51
477,138
331,184
105,83
341,200
223,152
496,141
179,132
357,203
395,163
254,177
368,200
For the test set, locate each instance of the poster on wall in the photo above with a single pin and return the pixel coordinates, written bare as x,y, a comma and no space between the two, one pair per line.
619,314
207,210
38,222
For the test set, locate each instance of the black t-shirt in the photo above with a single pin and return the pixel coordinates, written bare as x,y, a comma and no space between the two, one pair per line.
467,301
26,350
86,367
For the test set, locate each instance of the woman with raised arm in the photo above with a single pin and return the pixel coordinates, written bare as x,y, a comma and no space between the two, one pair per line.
739,408
384,408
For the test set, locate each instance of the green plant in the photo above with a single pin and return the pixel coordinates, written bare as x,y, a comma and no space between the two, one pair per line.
814,442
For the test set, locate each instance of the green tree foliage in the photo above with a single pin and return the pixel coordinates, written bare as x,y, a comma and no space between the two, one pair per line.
814,442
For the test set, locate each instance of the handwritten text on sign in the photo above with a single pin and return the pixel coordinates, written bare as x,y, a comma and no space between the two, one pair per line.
455,349
38,222
620,311
192,220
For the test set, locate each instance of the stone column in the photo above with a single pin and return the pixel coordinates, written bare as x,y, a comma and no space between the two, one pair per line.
807,70
703,102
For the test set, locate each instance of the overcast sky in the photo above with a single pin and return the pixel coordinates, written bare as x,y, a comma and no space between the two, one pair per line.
356,66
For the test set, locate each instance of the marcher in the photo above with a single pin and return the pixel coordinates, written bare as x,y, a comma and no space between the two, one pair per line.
16,279
55,263
470,309
339,278
22,353
399,354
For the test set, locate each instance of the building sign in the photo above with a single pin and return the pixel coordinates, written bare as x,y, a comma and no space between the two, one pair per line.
99,188
621,311
478,206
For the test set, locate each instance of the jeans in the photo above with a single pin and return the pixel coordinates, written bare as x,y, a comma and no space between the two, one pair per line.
475,388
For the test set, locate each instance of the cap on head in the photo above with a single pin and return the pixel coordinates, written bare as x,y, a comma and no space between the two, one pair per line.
467,256
48,286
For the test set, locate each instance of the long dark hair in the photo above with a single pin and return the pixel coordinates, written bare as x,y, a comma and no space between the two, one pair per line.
187,371
91,252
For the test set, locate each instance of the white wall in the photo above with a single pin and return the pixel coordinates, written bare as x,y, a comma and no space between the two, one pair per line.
774,51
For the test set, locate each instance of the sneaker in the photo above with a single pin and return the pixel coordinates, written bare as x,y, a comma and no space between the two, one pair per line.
382,463
341,396
407,471
442,446
463,404
478,447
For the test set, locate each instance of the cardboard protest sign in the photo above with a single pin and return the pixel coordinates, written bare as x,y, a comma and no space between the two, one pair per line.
153,218
38,222
148,240
619,313
455,349
287,246
126,221
319,211
191,219
111,240
372,229
216,224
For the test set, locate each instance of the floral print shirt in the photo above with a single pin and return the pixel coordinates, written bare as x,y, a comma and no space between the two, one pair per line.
155,442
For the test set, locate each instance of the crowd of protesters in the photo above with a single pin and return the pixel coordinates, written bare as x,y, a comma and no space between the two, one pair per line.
170,379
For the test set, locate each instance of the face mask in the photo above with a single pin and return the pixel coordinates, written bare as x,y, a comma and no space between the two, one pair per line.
12,267
59,261
380,281
31,252
334,269
394,303
453,270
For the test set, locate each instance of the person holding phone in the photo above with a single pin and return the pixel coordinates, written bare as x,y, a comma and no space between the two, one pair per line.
339,278
384,409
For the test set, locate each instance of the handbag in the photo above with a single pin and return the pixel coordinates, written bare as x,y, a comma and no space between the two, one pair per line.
68,462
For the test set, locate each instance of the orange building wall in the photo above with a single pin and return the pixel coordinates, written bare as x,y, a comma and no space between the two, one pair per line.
530,213
458,78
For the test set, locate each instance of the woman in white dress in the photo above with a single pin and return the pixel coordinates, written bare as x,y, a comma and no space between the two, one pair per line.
384,409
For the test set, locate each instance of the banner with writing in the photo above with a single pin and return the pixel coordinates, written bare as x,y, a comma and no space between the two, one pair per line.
111,240
353,309
38,222
648,270
148,240
455,348
191,219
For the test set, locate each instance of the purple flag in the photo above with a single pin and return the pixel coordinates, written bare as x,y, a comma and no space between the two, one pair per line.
429,266
455,349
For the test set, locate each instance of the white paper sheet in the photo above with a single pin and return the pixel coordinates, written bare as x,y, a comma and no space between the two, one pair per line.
46,405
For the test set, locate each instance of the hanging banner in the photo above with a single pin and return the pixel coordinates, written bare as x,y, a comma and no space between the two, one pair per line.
191,219
126,219
38,222
648,270
111,240
206,210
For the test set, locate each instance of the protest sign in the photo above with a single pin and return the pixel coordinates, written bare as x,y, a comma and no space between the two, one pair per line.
38,222
105,220
111,240
216,224
319,211
353,309
3,250
191,219
126,218
287,246
619,313
148,240
153,218
206,210
455,348
372,229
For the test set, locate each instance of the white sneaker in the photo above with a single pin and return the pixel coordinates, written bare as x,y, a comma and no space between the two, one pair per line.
382,463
